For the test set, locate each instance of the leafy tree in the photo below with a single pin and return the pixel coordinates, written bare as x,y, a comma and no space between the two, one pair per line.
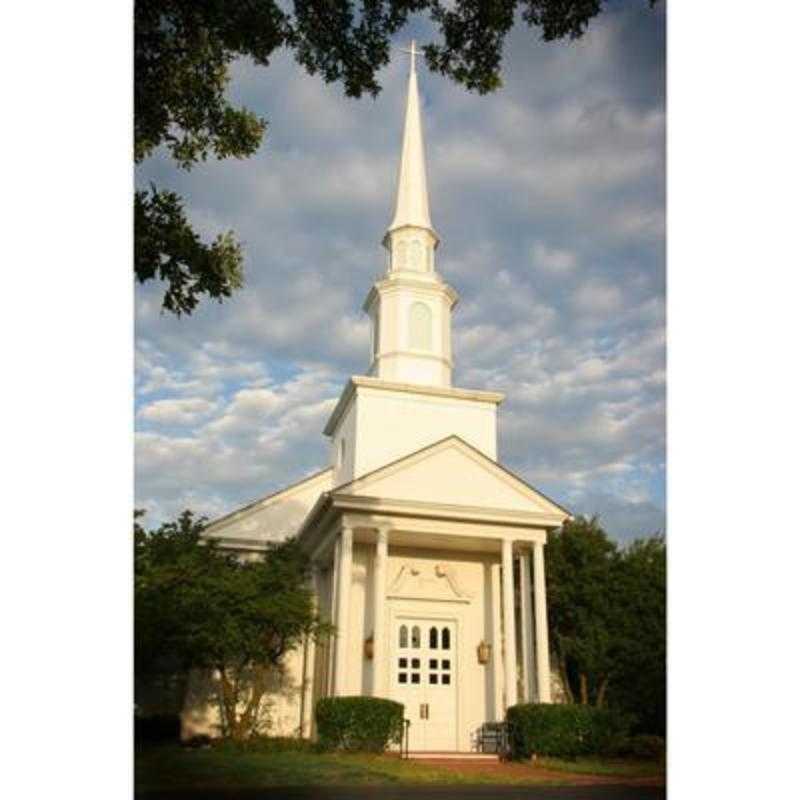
639,684
198,607
607,614
580,593
182,52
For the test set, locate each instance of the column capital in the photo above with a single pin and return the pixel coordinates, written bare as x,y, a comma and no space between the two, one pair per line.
382,533
346,537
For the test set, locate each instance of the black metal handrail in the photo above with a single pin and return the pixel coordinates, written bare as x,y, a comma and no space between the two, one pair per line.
495,737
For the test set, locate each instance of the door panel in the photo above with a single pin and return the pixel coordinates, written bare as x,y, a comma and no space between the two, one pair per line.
424,680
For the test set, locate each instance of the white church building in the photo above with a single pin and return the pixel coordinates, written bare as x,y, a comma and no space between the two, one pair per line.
427,553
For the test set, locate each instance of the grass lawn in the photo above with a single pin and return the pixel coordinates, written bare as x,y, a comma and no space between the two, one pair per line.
173,767
616,767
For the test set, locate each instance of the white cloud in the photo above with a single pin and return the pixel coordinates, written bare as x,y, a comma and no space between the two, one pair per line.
595,299
552,259
178,412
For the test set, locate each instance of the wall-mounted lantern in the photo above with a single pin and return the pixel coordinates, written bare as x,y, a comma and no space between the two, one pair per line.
484,652
369,648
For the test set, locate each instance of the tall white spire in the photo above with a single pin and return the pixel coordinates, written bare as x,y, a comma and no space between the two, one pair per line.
411,305
412,185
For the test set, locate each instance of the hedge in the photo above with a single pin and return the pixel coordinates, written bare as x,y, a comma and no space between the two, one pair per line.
359,723
565,731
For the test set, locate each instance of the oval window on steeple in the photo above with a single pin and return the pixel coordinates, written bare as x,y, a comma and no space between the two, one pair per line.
420,327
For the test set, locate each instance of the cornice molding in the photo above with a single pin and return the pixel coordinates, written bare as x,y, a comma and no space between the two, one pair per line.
397,282
445,392
418,508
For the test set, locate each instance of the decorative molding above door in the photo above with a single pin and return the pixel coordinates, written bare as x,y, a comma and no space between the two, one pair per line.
424,580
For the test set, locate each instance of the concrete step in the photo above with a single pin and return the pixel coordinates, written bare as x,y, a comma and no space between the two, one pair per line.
451,756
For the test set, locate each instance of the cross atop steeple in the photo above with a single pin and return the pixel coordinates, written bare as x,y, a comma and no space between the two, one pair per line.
413,52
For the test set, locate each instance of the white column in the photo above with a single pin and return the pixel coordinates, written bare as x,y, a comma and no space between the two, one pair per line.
309,663
526,620
509,626
379,642
497,650
343,610
542,638
334,590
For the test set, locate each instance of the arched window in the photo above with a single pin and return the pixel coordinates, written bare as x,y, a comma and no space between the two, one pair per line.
403,636
445,638
433,639
415,637
420,327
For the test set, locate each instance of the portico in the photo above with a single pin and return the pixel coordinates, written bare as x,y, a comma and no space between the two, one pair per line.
392,566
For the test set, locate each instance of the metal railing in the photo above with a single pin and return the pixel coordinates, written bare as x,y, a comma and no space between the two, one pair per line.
494,737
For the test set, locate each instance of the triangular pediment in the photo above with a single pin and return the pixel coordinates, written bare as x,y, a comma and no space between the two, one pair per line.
453,473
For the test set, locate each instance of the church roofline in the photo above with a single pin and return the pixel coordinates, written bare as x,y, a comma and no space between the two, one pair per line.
450,392
255,504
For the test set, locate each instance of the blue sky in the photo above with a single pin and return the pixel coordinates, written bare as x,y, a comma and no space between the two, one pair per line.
549,198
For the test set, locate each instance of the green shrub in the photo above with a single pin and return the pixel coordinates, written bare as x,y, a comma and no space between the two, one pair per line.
359,723
565,731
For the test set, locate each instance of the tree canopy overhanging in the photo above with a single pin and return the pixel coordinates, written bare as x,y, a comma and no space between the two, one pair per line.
182,53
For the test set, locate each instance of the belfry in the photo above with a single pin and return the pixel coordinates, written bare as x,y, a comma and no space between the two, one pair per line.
427,553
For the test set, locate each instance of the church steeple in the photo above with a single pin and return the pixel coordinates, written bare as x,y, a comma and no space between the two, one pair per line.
411,208
411,306
411,239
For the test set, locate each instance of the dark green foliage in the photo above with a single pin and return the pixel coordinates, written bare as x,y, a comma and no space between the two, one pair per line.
607,615
639,680
196,606
182,53
581,607
166,247
565,731
368,724
157,728
642,746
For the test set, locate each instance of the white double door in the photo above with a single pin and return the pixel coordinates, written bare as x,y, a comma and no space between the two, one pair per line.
424,678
